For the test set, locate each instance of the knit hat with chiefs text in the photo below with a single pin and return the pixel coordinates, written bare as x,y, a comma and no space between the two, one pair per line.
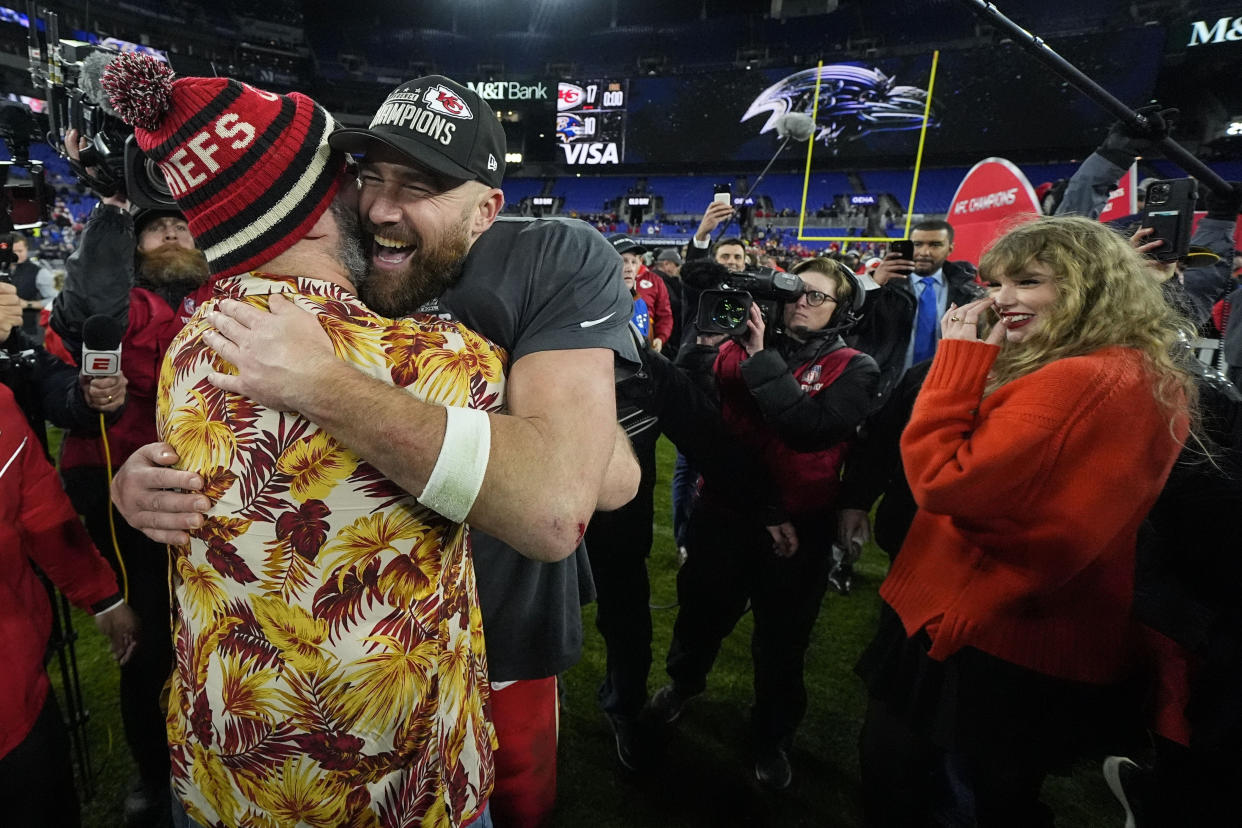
251,170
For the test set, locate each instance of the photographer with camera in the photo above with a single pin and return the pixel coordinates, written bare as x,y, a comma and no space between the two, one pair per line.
140,269
791,394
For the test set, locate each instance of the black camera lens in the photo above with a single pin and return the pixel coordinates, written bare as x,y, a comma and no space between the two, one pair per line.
155,178
1158,192
729,312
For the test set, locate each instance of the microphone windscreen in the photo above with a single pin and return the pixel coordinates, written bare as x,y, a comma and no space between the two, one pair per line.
703,274
93,66
102,333
796,125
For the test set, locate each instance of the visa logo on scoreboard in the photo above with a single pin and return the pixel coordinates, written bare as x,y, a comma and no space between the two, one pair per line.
590,121
591,153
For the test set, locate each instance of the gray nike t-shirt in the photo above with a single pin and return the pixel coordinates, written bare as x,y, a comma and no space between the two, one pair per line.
534,285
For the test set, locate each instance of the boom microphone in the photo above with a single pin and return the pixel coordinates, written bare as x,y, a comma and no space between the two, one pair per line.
93,66
101,346
796,125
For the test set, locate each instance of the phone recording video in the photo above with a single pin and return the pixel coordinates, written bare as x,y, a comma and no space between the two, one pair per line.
1170,210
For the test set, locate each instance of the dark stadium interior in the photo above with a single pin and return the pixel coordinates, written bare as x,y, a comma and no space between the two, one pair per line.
632,115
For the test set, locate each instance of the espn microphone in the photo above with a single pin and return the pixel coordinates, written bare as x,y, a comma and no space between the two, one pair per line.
101,346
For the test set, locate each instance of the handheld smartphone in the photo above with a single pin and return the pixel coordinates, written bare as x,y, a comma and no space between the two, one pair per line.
1170,211
904,247
723,194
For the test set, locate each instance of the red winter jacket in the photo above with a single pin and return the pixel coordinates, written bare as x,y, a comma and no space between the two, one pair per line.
37,523
652,290
759,392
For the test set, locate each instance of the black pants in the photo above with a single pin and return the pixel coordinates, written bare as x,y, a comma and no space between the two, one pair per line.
730,561
909,782
143,678
618,544
36,777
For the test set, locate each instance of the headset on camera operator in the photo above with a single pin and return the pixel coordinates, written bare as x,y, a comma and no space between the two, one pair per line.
791,395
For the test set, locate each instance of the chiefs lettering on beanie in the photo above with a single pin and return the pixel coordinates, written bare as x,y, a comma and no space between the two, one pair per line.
251,170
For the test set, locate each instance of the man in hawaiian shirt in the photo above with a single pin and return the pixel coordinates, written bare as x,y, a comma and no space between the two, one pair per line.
329,666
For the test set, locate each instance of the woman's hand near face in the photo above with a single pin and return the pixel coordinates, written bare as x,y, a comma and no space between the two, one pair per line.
963,322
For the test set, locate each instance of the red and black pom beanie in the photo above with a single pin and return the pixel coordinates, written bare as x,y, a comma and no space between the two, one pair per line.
251,170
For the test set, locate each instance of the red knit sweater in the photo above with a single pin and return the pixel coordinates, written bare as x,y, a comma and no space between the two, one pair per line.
1023,546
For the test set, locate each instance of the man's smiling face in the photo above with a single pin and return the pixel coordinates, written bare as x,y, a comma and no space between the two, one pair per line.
421,225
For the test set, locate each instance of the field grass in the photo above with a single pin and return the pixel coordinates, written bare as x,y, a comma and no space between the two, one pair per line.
704,778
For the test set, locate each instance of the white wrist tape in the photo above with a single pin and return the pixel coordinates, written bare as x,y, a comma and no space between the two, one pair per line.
458,474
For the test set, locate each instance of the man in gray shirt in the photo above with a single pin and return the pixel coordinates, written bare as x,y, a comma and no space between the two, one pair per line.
547,290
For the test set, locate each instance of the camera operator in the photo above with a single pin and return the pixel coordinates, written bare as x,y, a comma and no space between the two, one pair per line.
141,269
792,399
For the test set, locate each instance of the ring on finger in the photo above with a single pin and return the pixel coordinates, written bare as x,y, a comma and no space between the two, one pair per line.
955,319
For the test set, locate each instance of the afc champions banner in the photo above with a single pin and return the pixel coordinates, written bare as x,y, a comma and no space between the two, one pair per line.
1122,199
992,197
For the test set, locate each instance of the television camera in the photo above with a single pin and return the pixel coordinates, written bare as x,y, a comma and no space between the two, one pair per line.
724,307
69,71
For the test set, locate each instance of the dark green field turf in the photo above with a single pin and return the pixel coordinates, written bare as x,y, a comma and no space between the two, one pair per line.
705,776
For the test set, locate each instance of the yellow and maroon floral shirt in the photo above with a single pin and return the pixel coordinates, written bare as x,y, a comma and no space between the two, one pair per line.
330,668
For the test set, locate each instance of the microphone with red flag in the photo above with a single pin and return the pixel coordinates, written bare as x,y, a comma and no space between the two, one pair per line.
101,346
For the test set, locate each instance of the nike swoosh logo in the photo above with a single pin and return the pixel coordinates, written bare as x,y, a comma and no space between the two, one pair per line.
595,322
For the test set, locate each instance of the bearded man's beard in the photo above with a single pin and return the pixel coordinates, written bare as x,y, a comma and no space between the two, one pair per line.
349,252
430,270
172,266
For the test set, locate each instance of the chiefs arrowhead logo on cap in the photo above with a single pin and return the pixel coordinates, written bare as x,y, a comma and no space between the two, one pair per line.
447,102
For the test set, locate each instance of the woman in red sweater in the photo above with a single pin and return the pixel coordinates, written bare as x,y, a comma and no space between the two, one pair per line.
1006,640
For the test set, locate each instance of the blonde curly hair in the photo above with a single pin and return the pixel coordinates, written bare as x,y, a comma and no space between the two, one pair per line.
1107,294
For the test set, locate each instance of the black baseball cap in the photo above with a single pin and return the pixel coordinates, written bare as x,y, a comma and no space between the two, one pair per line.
143,216
624,244
439,124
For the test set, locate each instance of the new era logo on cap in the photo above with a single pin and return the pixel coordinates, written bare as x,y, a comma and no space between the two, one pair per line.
447,102
492,163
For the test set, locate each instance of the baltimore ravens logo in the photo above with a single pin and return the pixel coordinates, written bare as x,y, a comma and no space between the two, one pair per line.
568,127
854,101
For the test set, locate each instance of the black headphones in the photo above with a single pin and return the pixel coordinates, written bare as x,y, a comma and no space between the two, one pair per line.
845,316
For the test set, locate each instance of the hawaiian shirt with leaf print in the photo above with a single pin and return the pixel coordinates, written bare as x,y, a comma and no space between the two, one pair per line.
330,667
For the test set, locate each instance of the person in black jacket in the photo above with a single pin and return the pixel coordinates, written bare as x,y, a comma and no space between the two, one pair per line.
891,328
874,470
791,404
